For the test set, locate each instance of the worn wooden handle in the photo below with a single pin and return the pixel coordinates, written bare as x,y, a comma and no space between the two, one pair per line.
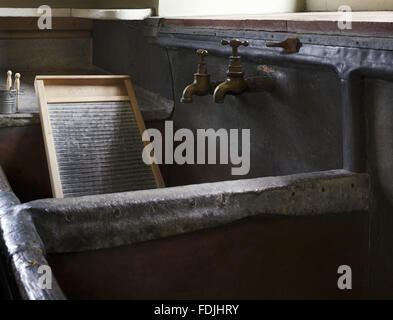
17,88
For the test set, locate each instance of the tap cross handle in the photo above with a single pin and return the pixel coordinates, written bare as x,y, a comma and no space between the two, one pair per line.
202,53
234,43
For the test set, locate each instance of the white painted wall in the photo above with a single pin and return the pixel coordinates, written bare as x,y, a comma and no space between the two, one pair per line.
173,8
361,5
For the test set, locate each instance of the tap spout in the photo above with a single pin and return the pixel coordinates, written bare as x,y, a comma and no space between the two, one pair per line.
200,87
188,92
232,86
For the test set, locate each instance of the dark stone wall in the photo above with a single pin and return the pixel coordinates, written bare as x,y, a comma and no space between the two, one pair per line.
121,48
296,128
377,103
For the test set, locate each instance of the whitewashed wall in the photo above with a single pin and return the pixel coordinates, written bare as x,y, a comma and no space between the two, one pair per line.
361,5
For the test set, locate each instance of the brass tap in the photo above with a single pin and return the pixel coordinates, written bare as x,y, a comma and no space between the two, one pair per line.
235,84
202,85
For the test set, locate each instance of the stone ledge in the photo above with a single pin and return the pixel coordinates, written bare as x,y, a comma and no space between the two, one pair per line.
101,14
154,214
19,120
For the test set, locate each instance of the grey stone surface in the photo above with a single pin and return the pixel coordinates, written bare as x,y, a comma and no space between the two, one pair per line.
19,120
24,248
153,106
96,222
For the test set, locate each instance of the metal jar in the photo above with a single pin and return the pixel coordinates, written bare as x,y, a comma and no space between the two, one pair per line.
8,100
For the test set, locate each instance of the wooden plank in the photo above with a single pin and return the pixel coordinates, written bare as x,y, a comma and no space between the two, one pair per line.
49,142
93,78
81,91
87,99
142,128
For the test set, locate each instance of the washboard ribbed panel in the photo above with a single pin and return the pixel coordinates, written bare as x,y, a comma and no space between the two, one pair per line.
98,148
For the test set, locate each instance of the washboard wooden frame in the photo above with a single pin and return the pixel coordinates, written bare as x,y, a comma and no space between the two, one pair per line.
83,89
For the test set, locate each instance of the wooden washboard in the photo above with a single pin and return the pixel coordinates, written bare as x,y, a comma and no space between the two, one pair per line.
92,129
